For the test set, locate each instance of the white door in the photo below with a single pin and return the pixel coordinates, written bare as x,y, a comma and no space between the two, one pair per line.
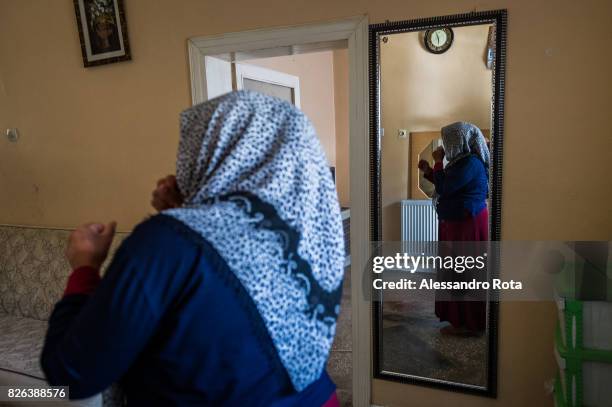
269,82
223,76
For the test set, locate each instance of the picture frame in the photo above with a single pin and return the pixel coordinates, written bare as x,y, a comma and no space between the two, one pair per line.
102,31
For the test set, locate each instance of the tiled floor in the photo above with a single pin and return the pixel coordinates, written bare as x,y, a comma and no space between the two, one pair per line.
412,344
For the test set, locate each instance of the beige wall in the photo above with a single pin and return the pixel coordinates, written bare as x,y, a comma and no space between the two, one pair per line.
421,91
316,73
121,119
94,140
341,95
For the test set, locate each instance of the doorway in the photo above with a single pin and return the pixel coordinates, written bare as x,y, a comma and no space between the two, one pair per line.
352,34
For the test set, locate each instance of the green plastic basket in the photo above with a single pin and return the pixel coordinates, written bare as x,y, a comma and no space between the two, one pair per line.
558,393
570,339
571,355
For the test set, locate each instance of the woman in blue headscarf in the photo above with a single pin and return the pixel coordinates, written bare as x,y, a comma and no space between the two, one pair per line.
461,189
230,295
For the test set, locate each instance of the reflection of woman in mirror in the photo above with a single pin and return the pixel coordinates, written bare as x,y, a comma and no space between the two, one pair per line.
460,200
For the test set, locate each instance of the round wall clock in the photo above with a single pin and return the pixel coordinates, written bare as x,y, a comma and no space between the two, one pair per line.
438,40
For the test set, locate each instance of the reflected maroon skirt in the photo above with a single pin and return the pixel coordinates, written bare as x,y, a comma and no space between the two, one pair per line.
464,314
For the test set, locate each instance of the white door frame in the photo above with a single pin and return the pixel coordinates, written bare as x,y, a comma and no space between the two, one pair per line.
258,73
355,30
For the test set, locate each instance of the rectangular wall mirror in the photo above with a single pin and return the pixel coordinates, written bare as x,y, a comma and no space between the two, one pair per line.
425,75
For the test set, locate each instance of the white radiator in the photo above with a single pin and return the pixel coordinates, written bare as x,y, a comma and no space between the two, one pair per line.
419,226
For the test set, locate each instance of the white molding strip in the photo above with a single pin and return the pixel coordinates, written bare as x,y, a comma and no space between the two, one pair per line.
359,187
262,39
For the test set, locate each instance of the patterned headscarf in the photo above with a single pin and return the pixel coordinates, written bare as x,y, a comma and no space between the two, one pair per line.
462,139
257,187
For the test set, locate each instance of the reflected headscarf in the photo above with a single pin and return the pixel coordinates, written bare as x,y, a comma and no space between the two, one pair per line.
462,139
258,188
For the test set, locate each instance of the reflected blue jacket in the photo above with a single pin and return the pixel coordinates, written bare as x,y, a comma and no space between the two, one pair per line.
462,188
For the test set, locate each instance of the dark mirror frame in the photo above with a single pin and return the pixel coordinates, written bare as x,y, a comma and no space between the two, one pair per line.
499,18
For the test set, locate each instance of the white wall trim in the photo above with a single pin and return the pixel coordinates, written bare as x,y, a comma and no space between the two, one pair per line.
218,79
360,212
284,41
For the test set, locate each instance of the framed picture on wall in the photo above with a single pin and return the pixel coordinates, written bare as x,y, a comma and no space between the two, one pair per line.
103,31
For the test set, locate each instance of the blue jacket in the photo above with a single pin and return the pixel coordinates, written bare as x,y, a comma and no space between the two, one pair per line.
462,188
174,326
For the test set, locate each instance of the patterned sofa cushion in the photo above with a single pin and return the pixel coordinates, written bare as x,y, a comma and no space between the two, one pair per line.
33,274
33,270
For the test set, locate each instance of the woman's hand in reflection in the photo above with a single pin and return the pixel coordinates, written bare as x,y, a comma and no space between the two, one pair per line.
438,154
424,166
88,245
166,194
